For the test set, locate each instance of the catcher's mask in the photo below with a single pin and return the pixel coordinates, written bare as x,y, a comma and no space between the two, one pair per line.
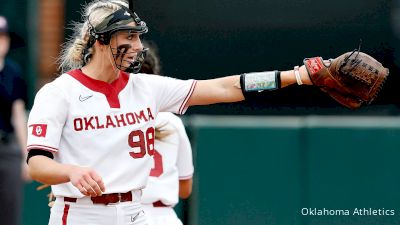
115,22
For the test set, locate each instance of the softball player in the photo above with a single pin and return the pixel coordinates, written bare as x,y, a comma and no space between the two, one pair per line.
171,174
91,131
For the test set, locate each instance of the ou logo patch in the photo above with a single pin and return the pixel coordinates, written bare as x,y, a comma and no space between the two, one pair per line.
39,130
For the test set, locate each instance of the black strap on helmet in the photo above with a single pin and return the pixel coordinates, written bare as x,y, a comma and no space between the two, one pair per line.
117,21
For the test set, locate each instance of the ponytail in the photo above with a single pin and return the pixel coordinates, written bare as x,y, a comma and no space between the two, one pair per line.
79,48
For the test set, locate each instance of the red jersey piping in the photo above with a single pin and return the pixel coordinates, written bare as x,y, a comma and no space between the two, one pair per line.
110,90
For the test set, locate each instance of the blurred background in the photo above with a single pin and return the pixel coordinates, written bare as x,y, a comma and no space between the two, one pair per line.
266,161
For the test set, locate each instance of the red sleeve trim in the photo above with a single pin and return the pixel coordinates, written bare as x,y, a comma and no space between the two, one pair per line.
42,147
189,94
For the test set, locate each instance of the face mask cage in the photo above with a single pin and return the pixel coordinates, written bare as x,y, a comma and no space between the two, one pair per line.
127,60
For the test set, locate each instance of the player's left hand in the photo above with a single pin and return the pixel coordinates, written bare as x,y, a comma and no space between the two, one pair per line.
352,79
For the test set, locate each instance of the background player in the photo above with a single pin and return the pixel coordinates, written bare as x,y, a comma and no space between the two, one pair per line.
171,175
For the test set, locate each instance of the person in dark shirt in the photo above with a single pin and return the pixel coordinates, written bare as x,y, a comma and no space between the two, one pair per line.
13,96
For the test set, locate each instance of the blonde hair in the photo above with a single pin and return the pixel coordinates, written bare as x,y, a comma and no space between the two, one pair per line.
161,132
77,51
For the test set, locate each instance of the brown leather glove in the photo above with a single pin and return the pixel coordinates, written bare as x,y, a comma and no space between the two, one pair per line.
352,79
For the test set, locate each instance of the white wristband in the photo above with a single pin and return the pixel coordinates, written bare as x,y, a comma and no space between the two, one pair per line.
297,75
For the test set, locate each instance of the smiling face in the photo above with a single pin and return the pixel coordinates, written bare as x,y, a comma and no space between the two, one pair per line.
125,47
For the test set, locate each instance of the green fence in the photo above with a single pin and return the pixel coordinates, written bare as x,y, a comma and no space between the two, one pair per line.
274,170
35,211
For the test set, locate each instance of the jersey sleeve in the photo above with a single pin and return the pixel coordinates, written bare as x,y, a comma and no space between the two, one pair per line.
172,94
185,158
47,119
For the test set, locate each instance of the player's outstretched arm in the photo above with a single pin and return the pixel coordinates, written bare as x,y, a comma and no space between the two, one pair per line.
352,79
231,88
48,171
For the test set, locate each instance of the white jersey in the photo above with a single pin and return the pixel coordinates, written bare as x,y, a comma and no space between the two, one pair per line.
107,127
172,162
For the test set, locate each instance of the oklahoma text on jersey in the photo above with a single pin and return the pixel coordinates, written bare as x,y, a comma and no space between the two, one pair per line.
112,121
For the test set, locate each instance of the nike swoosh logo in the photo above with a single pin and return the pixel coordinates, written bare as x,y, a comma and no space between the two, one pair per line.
84,98
134,218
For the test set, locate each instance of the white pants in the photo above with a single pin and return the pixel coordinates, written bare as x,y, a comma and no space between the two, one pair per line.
161,215
84,212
